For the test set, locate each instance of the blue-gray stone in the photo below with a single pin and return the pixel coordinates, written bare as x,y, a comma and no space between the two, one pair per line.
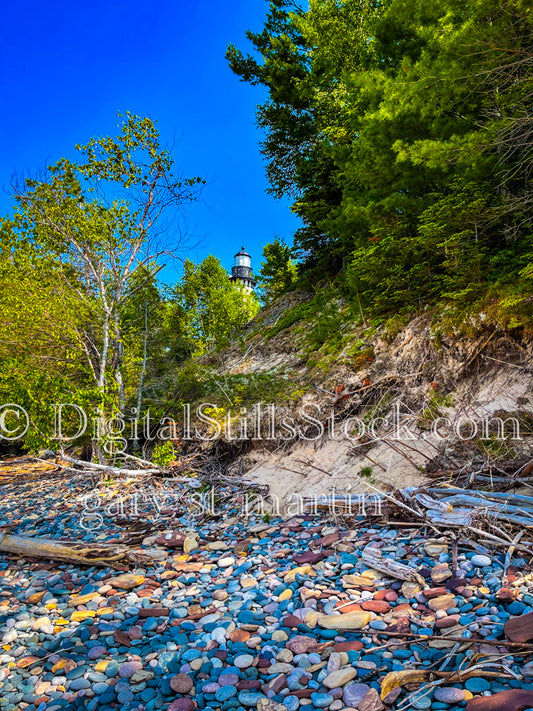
291,702
321,701
225,692
477,685
250,698
80,683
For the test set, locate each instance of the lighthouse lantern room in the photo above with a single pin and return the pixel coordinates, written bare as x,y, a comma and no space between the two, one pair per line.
241,272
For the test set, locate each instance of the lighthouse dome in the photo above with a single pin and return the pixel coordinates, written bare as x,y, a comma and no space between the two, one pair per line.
241,272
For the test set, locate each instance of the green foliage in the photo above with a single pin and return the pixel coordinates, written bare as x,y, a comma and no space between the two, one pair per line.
393,326
402,133
434,408
195,382
366,473
301,312
327,327
278,272
208,310
163,454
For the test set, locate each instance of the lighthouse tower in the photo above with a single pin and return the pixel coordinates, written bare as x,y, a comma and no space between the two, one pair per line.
241,272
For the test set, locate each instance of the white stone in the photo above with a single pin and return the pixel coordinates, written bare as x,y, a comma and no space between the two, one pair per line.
219,635
481,561
226,562
339,677
243,661
9,636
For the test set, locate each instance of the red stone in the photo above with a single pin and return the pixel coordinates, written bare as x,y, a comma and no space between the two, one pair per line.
400,626
326,541
380,607
183,704
154,612
507,594
122,638
147,592
198,614
353,607
176,540
510,700
446,622
302,644
248,684
430,593
371,702
181,683
291,621
309,557
135,632
519,629
454,584
353,646
303,693
392,696
275,685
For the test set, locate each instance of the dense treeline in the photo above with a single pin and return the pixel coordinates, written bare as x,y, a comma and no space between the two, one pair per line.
403,132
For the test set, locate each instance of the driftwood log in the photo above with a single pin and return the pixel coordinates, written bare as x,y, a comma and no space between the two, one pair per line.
77,552
373,558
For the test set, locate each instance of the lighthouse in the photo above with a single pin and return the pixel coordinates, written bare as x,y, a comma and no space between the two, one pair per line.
241,272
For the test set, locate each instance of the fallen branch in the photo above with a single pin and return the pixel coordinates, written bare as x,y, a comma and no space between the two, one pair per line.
137,459
107,468
414,676
463,640
476,353
395,501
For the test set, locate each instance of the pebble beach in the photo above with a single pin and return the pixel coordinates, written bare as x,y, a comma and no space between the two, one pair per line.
276,614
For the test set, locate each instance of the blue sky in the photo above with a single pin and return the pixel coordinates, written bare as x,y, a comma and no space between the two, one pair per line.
68,68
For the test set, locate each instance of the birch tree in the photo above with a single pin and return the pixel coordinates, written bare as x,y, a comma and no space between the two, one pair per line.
107,223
